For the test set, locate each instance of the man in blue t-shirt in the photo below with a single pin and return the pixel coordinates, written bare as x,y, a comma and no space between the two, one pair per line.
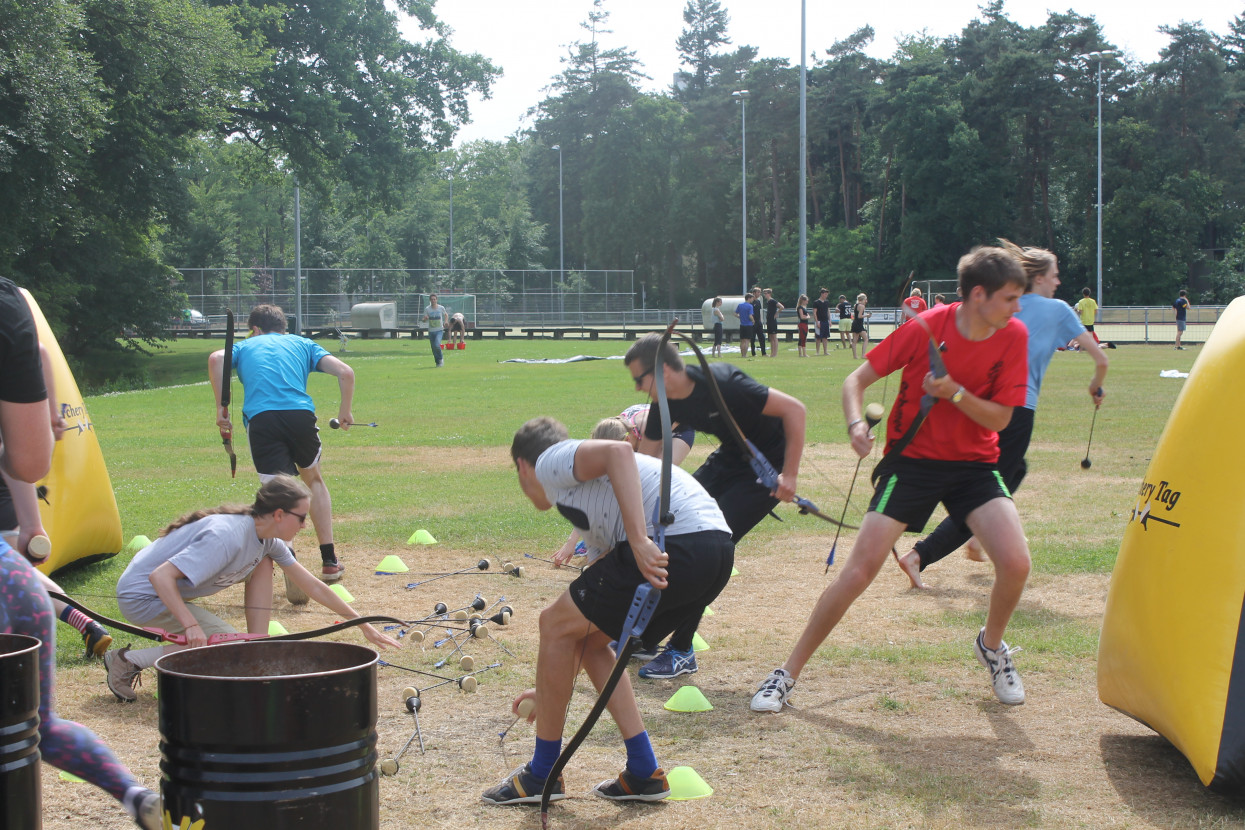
745,311
279,415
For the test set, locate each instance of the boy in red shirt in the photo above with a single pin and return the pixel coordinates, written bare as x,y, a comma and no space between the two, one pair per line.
947,456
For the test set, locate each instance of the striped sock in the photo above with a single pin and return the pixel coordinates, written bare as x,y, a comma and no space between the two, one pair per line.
76,618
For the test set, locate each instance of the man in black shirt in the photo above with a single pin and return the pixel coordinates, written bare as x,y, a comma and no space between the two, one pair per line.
821,310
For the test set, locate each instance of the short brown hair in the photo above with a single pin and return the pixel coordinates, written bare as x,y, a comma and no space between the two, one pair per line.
536,436
991,268
645,351
270,319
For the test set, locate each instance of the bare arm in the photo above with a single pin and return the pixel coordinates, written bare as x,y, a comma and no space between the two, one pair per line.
854,386
324,595
615,459
216,365
345,383
27,454
793,415
1086,341
991,415
164,580
49,381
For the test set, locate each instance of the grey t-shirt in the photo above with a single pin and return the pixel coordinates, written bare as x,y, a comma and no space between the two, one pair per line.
215,552
436,317
593,509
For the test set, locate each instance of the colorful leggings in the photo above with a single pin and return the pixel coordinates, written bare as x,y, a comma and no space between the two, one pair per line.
26,609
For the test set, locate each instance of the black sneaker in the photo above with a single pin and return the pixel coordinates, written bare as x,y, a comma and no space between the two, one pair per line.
627,787
521,787
642,653
97,640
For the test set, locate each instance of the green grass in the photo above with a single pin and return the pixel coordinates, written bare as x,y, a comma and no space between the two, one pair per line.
439,458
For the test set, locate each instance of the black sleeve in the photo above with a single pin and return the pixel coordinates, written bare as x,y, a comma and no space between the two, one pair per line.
21,374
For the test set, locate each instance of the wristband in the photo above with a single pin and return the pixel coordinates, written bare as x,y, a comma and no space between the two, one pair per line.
853,423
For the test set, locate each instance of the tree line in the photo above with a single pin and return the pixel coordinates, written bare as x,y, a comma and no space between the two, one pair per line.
141,135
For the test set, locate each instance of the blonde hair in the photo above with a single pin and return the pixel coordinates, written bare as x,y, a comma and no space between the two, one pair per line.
281,492
1033,261
611,429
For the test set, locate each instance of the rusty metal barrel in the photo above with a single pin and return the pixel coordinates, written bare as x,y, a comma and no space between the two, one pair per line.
270,735
21,796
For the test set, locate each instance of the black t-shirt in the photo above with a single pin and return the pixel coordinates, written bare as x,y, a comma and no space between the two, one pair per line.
745,398
21,375
821,308
845,310
771,313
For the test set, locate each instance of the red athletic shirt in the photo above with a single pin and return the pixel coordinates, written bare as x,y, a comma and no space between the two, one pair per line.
917,304
996,369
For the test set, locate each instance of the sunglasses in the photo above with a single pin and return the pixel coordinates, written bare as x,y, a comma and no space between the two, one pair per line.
302,517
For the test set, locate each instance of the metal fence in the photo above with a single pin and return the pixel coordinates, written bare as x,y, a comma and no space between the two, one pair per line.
502,297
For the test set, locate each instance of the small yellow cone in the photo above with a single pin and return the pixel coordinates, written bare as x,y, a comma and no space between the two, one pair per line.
698,643
276,629
71,778
341,591
137,543
392,565
708,610
688,699
421,537
686,784
734,571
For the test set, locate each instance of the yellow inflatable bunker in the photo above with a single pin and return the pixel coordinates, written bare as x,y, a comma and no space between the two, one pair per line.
1172,652
80,511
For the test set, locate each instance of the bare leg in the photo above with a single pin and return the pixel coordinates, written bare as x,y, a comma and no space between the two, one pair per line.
321,509
598,661
878,534
562,632
910,564
997,525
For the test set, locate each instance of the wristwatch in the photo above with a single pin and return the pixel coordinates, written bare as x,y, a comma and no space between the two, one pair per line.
958,396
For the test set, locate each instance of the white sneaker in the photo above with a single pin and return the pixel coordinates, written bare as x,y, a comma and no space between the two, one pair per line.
772,694
1007,686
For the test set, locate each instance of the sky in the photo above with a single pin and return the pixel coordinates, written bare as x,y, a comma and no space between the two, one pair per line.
527,39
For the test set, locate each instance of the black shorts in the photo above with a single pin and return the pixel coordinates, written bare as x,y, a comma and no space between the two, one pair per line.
733,485
284,441
858,325
823,329
771,326
911,488
700,566
745,332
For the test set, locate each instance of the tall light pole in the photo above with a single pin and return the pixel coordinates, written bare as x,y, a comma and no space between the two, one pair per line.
742,96
803,282
561,237
449,172
1098,57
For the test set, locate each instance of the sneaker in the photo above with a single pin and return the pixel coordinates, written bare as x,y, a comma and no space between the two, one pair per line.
642,653
1007,686
521,787
332,571
294,594
150,811
669,663
123,676
773,692
627,787
97,640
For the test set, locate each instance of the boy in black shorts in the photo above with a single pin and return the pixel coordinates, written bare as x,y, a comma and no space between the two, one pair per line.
772,420
950,455
608,492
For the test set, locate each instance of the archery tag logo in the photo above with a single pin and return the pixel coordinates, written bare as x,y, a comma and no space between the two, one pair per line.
1152,500
70,412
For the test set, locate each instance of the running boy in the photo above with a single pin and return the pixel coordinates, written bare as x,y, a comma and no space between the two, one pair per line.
948,457
608,493
279,415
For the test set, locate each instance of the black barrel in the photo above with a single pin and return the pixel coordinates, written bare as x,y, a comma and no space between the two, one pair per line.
270,735
21,797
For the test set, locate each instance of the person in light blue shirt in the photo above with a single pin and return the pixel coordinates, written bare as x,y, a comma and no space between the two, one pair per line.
280,417
1051,324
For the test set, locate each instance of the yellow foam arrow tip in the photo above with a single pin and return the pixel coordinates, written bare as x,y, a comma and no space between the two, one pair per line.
276,629
686,784
698,643
341,591
421,537
688,699
391,565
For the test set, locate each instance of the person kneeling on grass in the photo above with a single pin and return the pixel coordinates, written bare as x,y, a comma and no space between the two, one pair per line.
206,551
608,493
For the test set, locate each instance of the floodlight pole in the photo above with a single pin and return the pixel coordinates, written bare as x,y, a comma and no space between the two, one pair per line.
742,96
1097,57
803,282
561,237
298,258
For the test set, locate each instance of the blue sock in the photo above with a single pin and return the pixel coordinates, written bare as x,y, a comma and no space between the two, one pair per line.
641,762
545,756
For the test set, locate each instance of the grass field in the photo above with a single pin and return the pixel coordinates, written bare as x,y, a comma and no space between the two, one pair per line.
895,724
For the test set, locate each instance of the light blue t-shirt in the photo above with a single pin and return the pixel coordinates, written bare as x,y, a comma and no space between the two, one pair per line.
1051,324
273,369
